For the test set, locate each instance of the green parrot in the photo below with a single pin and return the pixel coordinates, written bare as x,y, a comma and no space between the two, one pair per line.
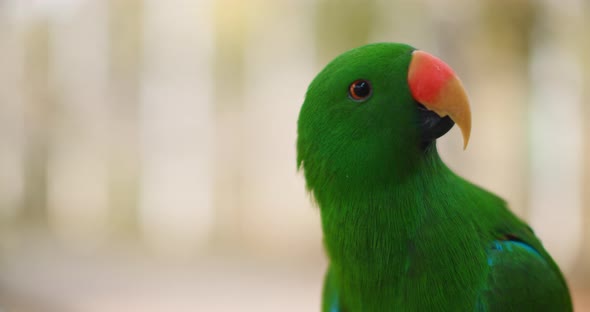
402,231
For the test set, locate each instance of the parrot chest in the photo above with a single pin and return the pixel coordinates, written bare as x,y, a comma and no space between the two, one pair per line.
423,264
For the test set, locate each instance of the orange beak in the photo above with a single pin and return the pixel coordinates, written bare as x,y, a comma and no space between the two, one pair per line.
436,86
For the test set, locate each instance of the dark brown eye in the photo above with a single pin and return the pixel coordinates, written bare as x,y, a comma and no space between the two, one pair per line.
360,90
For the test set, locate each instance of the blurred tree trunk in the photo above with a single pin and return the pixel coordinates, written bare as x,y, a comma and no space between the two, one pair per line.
39,105
584,261
176,124
231,31
78,161
11,117
276,218
125,32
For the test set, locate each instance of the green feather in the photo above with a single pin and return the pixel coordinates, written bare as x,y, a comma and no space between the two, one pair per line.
401,230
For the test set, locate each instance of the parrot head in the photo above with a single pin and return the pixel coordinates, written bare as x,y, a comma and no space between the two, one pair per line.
372,112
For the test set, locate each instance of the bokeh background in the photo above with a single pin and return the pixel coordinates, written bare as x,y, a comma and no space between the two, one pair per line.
147,156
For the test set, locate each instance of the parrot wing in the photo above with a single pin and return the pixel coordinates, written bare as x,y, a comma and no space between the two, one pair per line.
522,278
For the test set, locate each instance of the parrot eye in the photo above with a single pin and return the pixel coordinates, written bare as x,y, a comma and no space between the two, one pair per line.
360,90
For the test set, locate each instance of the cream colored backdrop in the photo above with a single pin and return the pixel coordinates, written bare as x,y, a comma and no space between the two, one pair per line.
147,148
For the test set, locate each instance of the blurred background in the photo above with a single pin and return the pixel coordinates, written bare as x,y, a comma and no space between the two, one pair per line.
147,155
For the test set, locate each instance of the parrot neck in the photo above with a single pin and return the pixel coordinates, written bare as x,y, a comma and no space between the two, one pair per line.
431,170
370,231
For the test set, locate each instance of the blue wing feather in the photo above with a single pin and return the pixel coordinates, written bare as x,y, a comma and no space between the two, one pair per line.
331,296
